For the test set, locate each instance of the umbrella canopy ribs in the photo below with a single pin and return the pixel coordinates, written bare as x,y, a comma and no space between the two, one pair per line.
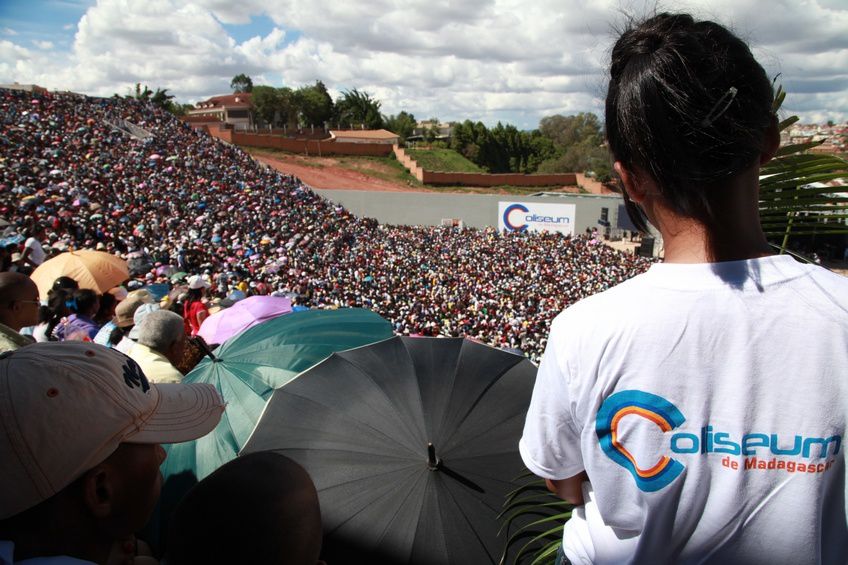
412,444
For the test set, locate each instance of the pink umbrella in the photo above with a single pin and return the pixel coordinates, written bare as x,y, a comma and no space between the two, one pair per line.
221,326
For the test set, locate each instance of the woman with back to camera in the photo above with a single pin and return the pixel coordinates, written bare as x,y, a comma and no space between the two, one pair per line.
697,412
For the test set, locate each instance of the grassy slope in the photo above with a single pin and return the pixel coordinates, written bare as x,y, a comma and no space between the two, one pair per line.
391,170
445,160
385,168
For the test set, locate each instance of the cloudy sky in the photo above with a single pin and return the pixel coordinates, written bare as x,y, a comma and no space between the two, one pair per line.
509,60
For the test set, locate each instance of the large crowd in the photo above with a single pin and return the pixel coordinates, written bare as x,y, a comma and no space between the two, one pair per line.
79,172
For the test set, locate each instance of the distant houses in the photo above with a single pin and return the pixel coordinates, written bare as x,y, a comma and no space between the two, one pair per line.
431,130
834,137
232,109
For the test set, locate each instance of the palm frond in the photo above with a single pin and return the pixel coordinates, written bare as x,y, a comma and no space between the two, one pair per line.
793,200
533,519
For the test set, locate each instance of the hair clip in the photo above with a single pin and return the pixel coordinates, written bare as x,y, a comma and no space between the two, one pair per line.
715,112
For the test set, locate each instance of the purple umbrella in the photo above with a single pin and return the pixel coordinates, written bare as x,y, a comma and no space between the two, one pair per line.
221,326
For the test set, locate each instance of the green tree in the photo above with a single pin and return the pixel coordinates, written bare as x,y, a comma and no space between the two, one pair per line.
314,104
178,109
403,124
565,131
354,108
161,98
266,103
140,93
241,83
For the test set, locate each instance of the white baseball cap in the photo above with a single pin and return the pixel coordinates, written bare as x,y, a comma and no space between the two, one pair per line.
196,281
65,407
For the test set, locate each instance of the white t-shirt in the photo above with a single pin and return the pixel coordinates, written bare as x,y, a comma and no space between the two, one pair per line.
36,252
707,403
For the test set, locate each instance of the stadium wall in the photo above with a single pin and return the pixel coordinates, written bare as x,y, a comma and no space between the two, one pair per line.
304,146
474,210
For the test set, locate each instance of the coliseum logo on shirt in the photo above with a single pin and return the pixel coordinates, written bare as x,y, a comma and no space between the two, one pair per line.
761,451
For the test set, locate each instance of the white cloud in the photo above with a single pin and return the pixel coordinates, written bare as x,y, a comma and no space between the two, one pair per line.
9,31
44,45
486,60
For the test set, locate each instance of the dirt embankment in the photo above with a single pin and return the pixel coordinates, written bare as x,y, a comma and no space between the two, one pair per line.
324,172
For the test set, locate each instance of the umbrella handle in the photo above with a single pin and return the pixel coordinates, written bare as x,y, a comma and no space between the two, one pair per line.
205,347
433,462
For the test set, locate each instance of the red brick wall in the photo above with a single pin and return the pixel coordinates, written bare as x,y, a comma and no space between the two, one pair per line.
512,179
310,147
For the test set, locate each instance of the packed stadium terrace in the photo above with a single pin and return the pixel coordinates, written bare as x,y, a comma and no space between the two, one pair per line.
183,198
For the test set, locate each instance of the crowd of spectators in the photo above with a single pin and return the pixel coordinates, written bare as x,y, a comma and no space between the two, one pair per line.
80,172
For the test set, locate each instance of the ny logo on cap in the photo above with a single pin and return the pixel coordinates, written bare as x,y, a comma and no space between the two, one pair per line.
134,376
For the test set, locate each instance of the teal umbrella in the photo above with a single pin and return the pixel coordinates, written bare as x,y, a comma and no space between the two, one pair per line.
251,365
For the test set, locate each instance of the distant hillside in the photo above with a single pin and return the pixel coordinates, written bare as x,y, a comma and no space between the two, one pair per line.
445,160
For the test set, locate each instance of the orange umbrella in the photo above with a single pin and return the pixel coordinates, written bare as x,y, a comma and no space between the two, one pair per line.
91,269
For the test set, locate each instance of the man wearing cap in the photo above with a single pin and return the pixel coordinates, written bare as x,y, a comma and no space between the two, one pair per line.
18,309
80,435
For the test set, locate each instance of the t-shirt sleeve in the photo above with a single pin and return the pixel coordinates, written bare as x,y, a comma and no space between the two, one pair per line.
550,444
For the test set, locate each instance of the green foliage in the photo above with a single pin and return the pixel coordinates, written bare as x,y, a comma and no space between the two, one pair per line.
503,149
314,104
532,520
565,131
241,83
274,106
446,160
580,157
140,93
788,204
354,109
403,124
578,141
159,98
265,101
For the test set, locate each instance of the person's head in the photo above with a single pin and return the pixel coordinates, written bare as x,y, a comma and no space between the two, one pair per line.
106,311
194,295
265,497
125,311
19,302
163,331
688,109
65,283
82,469
197,286
85,302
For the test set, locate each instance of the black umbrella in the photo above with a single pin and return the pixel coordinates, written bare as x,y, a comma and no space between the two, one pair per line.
412,444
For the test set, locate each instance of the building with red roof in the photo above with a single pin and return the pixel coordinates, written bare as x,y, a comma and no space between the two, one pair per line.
233,109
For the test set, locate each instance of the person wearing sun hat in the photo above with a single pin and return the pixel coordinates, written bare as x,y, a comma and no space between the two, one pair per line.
81,430
194,309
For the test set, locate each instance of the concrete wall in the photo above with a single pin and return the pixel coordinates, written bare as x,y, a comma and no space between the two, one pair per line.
475,210
481,179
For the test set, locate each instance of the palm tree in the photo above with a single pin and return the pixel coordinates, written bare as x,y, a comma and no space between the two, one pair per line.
793,199
355,107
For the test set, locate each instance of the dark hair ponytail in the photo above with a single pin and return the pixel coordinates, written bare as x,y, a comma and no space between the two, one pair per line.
689,105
